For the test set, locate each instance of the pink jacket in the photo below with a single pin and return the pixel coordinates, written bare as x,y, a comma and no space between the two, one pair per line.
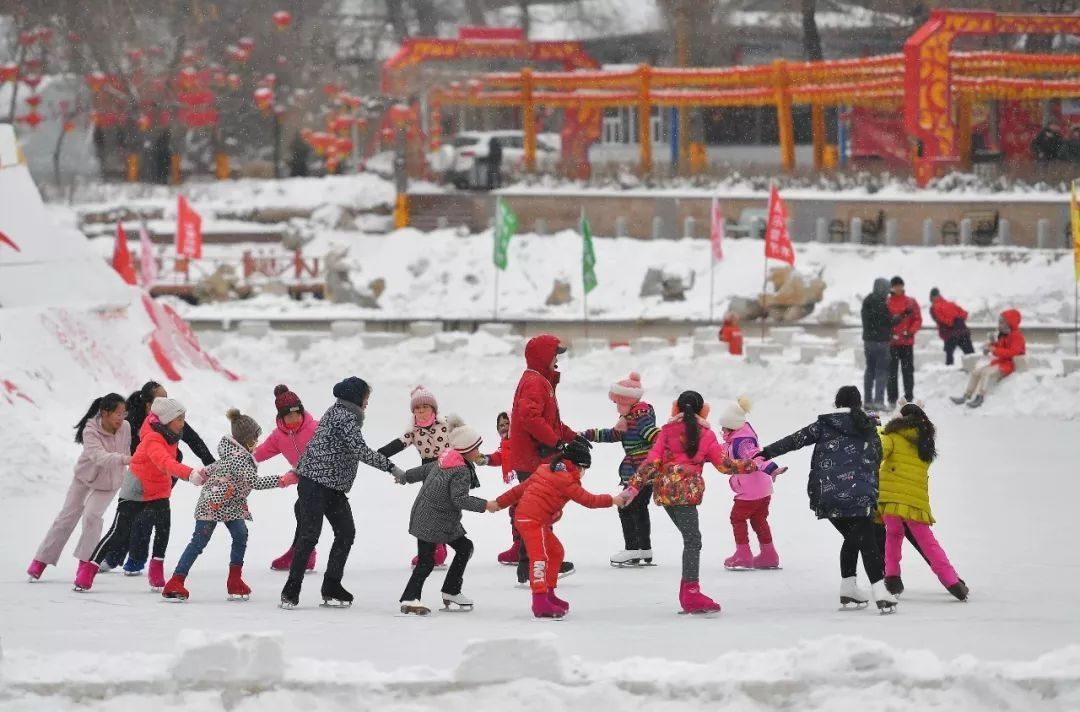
743,445
103,458
289,444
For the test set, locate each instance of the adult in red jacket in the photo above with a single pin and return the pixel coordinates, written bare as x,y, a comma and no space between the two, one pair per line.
1003,351
952,325
906,322
537,433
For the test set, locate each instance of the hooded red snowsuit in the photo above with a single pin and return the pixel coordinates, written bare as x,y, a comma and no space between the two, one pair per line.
534,421
1008,346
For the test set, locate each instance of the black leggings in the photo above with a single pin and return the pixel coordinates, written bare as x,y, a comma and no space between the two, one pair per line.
127,511
425,564
636,525
316,502
859,537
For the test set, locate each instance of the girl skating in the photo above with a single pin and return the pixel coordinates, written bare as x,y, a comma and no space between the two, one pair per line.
105,437
501,459
224,500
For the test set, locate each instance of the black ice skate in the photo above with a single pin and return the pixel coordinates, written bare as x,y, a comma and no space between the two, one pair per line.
894,585
567,569
335,596
959,590
290,596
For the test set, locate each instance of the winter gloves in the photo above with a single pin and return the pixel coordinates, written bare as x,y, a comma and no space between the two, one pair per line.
288,479
198,477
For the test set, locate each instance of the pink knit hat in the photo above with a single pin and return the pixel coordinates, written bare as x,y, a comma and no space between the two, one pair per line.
627,392
422,396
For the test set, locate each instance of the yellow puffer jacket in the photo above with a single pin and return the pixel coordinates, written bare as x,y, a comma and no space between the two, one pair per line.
904,478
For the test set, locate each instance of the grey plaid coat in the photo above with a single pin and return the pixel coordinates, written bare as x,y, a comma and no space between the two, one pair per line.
436,513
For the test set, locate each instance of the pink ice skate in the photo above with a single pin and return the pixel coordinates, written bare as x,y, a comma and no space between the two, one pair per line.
693,601
741,560
284,562
84,577
544,607
768,558
558,601
310,566
510,556
35,569
440,556
155,574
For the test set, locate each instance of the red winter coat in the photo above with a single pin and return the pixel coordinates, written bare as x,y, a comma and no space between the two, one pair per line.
501,458
903,333
945,314
1008,346
154,463
535,420
542,497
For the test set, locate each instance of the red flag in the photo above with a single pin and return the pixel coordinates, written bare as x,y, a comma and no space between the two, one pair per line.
716,232
777,239
121,258
5,240
147,264
188,230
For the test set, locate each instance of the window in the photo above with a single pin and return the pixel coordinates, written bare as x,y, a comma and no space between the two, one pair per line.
612,126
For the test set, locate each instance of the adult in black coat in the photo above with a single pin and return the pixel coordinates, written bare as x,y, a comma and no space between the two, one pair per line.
877,325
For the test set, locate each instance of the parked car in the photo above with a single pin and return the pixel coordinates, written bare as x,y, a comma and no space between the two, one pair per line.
457,159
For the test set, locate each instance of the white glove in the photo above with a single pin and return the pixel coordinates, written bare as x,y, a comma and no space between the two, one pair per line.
198,477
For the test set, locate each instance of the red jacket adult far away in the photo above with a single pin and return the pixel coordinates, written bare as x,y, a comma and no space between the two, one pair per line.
535,423
907,318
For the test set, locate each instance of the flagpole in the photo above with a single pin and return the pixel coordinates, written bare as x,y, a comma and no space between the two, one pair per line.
495,311
764,305
712,284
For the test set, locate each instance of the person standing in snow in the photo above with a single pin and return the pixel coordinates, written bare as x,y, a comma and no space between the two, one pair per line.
877,332
674,468
908,447
137,549
537,433
753,491
147,486
223,500
294,430
105,437
501,459
436,516
1009,344
907,320
952,326
635,430
327,471
843,488
429,434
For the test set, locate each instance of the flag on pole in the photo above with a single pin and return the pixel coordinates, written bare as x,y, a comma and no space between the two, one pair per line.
716,232
1074,214
188,230
777,239
147,263
121,257
588,255
506,223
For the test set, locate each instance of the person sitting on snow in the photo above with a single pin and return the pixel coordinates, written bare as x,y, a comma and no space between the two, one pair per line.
1009,344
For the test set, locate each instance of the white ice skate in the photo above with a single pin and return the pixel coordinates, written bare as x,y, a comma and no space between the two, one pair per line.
886,602
415,608
456,602
627,558
852,595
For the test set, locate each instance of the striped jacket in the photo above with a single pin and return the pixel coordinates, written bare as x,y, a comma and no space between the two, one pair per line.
636,440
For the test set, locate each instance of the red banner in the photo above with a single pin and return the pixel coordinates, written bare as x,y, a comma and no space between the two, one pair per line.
777,239
188,230
716,231
121,257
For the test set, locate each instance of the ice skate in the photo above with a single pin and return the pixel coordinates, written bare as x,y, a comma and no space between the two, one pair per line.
415,608
694,602
959,590
646,557
155,575
543,607
133,567
894,585
741,560
565,605
627,558
283,562
456,602
106,567
768,559
566,569
84,576
510,556
288,602
35,570
975,402
851,596
886,602
238,590
174,589
334,595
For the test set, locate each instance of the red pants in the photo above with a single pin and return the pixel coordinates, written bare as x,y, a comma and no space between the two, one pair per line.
757,512
545,554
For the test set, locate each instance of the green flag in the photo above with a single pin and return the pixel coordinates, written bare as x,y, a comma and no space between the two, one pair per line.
506,223
588,256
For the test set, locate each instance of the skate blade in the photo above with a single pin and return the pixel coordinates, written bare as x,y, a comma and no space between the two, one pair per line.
768,568
173,599
853,605
334,603
628,565
287,605
136,573
451,607
738,568
78,589
415,610
157,589
571,572
31,579
238,597
886,610
700,614
549,618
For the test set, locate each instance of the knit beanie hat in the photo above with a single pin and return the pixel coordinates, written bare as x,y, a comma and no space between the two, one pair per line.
733,416
422,396
897,281
627,391
462,437
848,397
286,401
167,409
353,389
244,428
934,293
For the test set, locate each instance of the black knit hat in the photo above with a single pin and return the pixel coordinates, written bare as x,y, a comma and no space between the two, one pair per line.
896,282
353,389
848,397
934,293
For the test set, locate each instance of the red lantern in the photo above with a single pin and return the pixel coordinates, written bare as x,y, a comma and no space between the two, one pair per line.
247,44
32,119
188,77
8,72
344,146
320,141
264,98
32,82
282,19
387,135
96,81
33,100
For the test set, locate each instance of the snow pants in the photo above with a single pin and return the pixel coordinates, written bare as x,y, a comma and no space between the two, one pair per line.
545,553
201,537
137,548
876,375
636,524
127,511
982,380
316,502
858,533
685,517
962,341
902,359
756,512
425,564
928,544
523,568
82,502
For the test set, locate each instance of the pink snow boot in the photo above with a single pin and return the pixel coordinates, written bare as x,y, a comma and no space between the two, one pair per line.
511,555
544,607
741,560
284,562
558,601
693,600
768,558
155,575
84,577
35,569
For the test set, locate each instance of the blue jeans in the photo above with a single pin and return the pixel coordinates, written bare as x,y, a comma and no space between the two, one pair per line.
876,376
201,537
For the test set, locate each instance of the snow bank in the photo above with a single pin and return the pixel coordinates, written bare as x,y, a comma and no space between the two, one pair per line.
247,658
486,662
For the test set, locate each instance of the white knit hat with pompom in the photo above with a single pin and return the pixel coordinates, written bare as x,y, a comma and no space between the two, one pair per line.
462,438
733,416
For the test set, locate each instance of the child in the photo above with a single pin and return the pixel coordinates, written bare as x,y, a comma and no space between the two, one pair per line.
539,503
674,468
295,426
1009,344
636,430
224,499
429,434
147,487
843,488
753,492
436,516
106,439
908,448
501,458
